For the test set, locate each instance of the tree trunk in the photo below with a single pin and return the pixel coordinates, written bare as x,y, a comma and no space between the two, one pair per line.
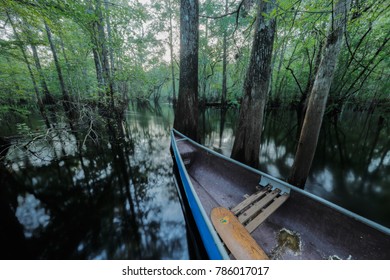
303,100
317,101
171,54
224,61
204,77
64,90
99,70
110,47
103,51
36,89
48,99
246,145
186,115
70,81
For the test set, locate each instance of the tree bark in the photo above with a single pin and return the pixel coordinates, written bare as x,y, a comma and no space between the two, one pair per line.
186,114
103,51
36,89
171,53
204,77
224,62
64,90
110,46
246,145
47,96
99,71
303,100
319,94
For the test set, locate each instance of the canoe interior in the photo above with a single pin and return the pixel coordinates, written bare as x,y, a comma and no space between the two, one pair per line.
302,228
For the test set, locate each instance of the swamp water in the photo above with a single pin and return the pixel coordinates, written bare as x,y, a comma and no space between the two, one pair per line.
105,189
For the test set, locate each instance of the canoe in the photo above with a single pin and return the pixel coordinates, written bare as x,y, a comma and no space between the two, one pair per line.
284,221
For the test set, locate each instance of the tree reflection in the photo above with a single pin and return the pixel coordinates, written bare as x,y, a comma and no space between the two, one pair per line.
352,162
111,197
104,188
342,170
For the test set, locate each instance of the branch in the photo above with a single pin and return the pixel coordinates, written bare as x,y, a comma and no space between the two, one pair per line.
88,134
309,12
220,16
237,11
296,80
368,66
357,46
292,9
212,66
365,78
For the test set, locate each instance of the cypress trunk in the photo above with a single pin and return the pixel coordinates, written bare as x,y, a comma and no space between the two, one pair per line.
103,51
224,62
186,114
246,145
171,55
318,97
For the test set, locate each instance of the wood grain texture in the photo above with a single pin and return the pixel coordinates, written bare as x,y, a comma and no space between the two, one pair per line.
252,225
256,207
236,238
245,203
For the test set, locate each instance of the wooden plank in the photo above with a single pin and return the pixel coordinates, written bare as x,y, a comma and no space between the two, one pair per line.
236,238
264,181
248,214
245,203
252,225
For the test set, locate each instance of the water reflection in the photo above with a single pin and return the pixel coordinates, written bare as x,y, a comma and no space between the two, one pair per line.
103,188
351,166
101,191
31,214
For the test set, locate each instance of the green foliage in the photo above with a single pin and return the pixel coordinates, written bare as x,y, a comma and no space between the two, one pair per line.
364,63
138,48
363,60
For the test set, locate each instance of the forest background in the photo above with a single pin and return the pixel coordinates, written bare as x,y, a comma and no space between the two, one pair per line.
86,52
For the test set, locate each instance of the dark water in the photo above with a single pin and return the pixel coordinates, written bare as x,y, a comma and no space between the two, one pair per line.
104,189
104,193
352,163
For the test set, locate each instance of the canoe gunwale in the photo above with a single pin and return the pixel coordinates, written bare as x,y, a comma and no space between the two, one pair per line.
214,247
279,182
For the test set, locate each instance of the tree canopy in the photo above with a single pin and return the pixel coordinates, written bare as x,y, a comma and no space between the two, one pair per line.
120,50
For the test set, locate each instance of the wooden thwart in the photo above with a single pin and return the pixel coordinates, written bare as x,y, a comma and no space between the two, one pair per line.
258,207
249,201
236,238
252,225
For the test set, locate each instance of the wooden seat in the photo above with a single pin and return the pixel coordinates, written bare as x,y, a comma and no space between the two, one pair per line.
236,238
258,207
